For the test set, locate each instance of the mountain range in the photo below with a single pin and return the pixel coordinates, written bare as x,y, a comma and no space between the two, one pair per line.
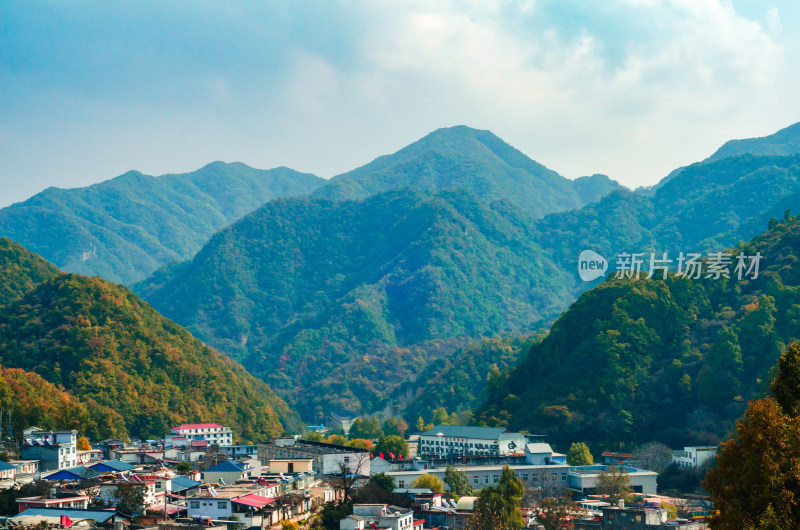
125,228
369,291
357,302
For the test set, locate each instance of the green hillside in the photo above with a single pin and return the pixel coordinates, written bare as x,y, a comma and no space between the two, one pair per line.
20,271
125,228
672,360
785,142
474,160
339,303
352,299
133,370
458,381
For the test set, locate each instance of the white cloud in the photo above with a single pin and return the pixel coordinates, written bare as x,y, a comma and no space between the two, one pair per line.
557,96
632,88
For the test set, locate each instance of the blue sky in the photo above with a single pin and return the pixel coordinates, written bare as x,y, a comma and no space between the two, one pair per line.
630,88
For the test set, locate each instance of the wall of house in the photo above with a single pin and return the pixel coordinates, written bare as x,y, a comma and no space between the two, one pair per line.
209,507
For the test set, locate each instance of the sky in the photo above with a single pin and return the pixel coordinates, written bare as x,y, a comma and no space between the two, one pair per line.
628,88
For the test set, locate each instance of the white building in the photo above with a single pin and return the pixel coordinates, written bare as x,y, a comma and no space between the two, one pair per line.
108,492
584,479
55,449
252,504
537,466
552,478
367,516
239,451
342,419
447,441
211,432
694,457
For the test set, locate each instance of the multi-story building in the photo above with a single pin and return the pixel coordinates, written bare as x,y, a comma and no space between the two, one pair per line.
379,516
446,441
55,449
536,468
694,457
327,458
252,504
211,432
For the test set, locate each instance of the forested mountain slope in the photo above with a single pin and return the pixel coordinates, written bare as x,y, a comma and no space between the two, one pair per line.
673,360
341,302
125,228
134,371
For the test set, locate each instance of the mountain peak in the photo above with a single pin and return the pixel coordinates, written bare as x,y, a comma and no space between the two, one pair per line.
785,142
461,157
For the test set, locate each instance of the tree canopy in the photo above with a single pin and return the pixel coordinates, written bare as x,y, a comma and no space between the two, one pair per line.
429,481
579,455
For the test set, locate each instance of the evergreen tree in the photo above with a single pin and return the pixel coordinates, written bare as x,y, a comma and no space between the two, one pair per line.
786,385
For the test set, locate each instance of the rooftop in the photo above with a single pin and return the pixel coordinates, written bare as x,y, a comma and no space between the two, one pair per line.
598,468
31,514
460,431
199,426
229,466
320,448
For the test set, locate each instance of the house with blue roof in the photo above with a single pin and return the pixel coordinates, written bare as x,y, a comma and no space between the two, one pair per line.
112,466
228,472
53,516
73,473
184,486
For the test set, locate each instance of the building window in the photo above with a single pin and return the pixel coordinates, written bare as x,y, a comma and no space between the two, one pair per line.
475,480
222,505
525,478
495,479
195,504
563,476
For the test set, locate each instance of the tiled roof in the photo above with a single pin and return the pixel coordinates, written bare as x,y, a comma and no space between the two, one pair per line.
112,465
100,516
180,483
228,466
73,473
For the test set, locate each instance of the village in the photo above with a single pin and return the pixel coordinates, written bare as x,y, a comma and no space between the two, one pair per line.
197,476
